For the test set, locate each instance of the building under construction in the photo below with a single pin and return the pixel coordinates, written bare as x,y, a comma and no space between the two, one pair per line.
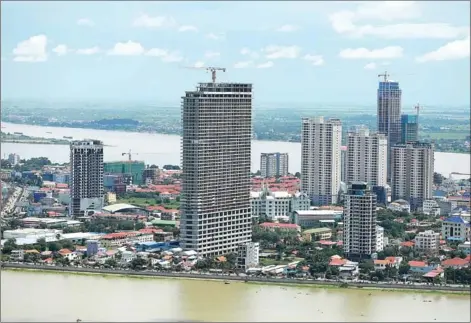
133,168
216,151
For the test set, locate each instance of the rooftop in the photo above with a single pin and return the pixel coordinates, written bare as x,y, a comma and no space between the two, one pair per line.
119,207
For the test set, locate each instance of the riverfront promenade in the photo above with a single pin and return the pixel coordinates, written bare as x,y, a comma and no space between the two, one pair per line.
286,281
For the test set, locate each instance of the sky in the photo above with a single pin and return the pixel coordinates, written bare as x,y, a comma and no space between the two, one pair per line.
293,52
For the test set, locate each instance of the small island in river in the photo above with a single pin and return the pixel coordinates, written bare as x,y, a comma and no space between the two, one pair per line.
22,139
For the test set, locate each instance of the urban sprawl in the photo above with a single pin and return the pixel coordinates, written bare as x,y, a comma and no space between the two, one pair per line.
372,210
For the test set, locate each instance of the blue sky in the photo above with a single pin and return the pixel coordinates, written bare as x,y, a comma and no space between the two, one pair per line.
293,52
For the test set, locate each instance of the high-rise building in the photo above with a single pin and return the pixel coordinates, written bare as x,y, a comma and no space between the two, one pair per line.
359,234
320,159
367,157
273,164
86,176
412,173
216,146
14,159
343,163
132,168
409,128
389,113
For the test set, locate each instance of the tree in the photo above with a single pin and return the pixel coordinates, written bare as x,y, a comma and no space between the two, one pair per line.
9,246
366,266
404,269
438,178
54,246
139,226
297,174
111,262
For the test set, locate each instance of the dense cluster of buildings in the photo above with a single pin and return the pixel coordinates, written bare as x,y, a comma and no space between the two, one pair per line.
219,199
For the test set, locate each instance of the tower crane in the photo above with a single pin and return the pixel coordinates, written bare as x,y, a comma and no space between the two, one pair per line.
417,107
129,155
385,76
210,69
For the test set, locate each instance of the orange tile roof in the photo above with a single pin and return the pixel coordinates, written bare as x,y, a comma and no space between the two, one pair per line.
382,262
414,263
337,262
407,244
455,262
64,251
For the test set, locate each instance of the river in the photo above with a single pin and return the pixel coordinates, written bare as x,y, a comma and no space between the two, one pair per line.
163,149
53,297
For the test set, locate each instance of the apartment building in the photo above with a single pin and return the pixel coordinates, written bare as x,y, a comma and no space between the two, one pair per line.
412,173
277,204
321,159
367,157
215,207
379,238
86,176
248,255
409,128
274,164
427,241
359,234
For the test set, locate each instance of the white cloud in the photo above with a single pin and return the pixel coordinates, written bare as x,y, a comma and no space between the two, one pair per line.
457,49
60,50
128,48
85,22
370,66
31,50
147,21
244,64
210,54
88,51
247,52
218,36
165,55
349,22
266,65
198,64
172,57
288,28
364,53
187,28
316,60
275,52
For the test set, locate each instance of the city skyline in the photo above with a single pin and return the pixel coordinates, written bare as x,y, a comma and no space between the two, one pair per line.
71,51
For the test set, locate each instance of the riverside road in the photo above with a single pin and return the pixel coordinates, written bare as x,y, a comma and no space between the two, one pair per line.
237,278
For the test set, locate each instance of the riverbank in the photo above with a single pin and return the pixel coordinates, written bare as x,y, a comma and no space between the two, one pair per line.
252,280
35,142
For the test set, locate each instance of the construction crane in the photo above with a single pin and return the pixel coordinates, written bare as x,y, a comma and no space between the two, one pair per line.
385,76
210,69
129,155
417,107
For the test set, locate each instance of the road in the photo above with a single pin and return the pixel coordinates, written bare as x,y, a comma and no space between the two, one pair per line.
9,206
238,278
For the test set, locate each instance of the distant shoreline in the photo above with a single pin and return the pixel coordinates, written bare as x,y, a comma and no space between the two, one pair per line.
34,142
166,133
236,279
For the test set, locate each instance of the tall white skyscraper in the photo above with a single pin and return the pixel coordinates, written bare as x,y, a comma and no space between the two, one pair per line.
412,173
273,164
359,234
216,145
321,159
86,176
367,158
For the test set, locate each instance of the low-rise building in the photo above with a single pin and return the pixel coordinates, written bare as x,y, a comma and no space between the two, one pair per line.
30,233
431,207
421,267
465,247
317,234
312,218
399,206
456,263
270,226
119,239
17,255
277,204
427,241
455,228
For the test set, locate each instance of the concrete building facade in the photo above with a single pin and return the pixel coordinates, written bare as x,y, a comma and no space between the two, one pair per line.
216,145
389,101
86,176
427,241
321,159
367,157
409,128
248,255
412,173
277,204
360,232
274,164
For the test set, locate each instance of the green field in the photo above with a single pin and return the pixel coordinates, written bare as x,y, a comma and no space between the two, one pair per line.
144,202
446,135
